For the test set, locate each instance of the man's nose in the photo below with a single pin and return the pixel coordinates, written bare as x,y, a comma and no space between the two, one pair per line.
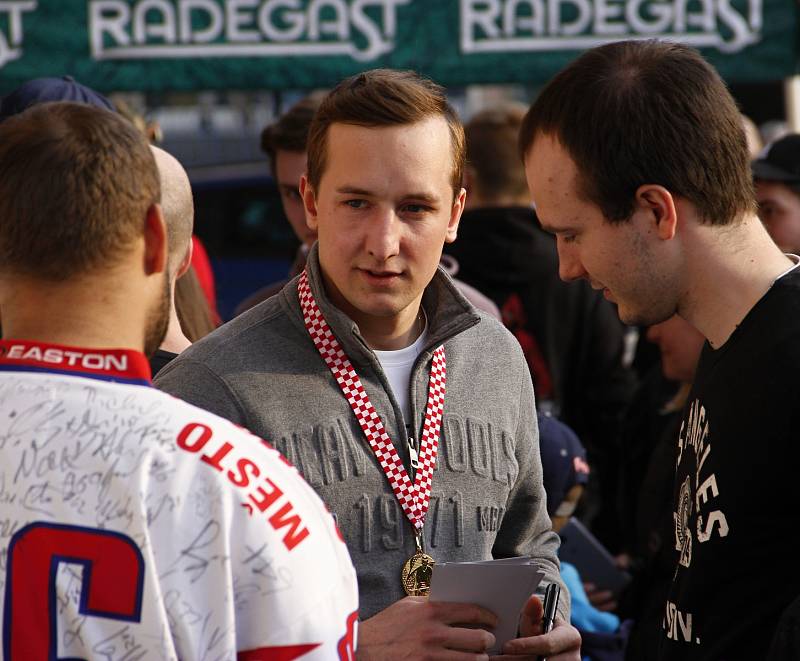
383,234
570,266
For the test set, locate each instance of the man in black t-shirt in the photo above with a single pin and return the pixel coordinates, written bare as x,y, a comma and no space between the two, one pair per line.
637,162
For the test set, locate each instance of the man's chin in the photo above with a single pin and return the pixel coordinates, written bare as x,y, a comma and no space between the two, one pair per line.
639,317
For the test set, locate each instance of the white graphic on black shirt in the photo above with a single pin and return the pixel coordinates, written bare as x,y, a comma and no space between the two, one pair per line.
698,515
683,532
699,491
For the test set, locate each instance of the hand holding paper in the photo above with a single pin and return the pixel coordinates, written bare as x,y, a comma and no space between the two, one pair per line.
415,628
500,586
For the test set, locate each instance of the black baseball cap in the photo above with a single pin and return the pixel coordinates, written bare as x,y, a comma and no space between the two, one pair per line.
779,161
43,90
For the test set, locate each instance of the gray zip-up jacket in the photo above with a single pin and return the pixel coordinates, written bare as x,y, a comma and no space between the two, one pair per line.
263,372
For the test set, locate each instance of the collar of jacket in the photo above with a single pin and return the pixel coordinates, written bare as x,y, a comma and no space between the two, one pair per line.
448,312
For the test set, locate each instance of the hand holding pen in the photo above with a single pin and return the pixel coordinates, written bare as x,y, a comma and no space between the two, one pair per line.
543,633
551,596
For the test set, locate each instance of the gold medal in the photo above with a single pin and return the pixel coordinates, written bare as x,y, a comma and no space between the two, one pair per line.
417,572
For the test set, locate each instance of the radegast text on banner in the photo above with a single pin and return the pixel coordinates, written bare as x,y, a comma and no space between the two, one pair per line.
281,44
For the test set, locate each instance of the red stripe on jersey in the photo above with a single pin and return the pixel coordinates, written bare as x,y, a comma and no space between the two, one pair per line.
114,363
276,653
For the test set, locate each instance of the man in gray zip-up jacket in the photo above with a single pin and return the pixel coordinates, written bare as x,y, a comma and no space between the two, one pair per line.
263,371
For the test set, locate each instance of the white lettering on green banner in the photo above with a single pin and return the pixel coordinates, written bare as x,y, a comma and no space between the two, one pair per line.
11,41
495,26
240,28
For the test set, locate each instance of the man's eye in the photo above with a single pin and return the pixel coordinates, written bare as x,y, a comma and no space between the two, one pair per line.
568,238
356,204
416,208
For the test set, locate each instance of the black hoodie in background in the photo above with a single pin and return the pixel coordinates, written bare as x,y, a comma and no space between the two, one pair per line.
572,337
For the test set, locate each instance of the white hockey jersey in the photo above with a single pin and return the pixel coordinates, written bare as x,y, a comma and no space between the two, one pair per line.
136,526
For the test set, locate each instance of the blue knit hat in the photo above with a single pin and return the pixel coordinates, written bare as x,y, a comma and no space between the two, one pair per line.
43,90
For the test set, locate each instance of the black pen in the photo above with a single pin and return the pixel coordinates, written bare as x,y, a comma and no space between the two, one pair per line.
551,595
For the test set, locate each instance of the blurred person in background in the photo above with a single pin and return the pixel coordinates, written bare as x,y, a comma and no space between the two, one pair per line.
679,234
776,173
572,338
163,532
284,143
565,474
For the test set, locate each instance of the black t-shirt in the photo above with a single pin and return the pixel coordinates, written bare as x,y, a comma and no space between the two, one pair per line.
737,538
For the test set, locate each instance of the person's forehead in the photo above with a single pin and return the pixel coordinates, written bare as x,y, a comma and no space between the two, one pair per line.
548,161
416,153
553,181
432,129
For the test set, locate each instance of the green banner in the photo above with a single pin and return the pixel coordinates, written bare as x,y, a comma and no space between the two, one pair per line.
153,45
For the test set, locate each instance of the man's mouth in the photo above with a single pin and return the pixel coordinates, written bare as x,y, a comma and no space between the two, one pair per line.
380,275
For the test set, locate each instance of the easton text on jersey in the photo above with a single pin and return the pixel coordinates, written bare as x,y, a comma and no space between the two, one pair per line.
55,356
261,493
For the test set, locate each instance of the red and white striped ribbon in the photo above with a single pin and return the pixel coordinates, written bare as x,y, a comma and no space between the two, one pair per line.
414,498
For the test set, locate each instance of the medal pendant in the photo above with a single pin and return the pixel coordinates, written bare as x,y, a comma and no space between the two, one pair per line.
417,572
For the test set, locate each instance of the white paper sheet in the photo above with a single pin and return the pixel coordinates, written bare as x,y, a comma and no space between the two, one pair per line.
501,586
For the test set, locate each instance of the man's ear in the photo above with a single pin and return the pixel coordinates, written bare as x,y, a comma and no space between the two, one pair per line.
155,241
309,203
455,216
659,203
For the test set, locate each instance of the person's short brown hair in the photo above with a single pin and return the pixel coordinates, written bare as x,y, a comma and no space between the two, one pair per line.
378,98
492,137
290,131
647,112
75,185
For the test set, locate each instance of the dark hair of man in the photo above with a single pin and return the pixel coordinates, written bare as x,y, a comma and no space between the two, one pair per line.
647,112
290,132
492,137
380,98
75,185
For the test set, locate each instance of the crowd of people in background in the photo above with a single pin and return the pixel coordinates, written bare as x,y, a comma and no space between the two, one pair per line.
447,369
